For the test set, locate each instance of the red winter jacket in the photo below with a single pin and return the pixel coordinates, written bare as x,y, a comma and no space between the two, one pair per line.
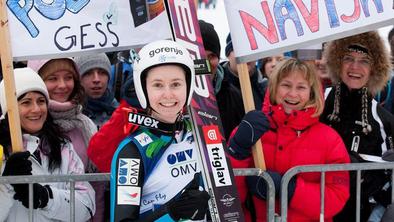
104,143
294,140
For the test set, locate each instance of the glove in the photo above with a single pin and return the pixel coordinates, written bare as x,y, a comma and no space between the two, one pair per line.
252,127
192,203
388,156
258,187
18,164
40,198
355,157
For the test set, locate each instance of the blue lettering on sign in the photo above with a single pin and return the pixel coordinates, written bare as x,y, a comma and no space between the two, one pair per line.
289,14
378,4
179,156
332,13
52,11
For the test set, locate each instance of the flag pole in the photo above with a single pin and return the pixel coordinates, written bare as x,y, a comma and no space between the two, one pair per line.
9,82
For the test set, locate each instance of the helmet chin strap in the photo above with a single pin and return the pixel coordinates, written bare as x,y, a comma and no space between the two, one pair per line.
178,121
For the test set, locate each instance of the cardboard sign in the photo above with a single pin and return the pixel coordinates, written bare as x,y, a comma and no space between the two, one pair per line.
264,28
64,27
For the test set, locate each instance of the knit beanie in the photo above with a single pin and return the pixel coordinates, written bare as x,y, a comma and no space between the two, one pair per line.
46,67
26,80
88,62
209,37
229,45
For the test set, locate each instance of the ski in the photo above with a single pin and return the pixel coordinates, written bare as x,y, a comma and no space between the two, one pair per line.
224,204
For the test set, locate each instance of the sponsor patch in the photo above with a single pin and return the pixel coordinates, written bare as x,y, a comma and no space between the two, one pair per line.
227,200
129,195
219,166
212,134
128,171
216,155
143,139
143,120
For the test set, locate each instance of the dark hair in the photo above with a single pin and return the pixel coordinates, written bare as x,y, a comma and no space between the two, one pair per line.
50,136
78,94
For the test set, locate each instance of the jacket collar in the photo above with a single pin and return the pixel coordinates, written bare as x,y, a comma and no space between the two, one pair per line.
30,142
297,119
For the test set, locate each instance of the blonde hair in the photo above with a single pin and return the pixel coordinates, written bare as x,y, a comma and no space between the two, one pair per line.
288,66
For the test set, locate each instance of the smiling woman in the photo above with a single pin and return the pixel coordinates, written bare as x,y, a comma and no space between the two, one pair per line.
156,168
360,67
291,135
62,80
47,150
32,111
167,92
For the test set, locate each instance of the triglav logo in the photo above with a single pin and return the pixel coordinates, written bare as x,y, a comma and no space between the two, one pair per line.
212,134
216,154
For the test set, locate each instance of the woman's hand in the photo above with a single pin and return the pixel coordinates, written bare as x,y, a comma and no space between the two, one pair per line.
252,127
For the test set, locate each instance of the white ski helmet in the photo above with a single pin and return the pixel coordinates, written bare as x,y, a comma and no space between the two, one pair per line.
162,52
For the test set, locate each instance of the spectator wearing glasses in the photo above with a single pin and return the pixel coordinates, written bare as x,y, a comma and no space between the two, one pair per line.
359,67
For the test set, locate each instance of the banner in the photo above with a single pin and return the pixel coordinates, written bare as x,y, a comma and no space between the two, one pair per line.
65,27
264,28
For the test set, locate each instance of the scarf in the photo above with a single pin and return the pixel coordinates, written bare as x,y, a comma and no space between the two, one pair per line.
102,104
69,116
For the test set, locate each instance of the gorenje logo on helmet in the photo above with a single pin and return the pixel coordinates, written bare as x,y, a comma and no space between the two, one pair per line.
175,50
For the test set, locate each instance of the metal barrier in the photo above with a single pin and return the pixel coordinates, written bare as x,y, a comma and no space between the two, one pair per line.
54,179
271,215
106,177
323,168
270,186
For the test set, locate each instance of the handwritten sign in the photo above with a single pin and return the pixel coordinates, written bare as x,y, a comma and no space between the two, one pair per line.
261,28
64,27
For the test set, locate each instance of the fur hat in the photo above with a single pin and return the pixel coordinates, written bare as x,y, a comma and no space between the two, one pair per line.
44,67
373,43
210,37
26,80
88,62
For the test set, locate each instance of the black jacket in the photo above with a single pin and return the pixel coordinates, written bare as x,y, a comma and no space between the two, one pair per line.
258,86
374,143
230,103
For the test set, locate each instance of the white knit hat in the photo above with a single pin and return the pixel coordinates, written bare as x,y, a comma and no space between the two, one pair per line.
26,80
